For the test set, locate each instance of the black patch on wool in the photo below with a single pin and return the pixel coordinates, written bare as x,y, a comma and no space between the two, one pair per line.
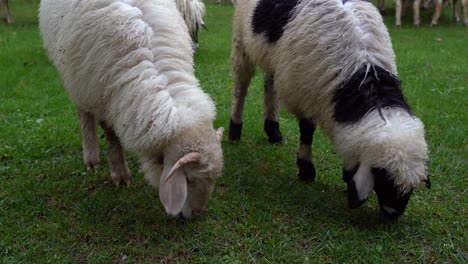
306,170
348,174
271,16
364,92
307,129
353,197
235,131
273,132
388,194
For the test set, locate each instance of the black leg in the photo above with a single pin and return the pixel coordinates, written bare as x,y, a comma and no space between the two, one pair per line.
304,157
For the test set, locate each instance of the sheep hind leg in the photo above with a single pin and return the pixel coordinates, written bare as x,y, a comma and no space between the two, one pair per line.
416,8
242,72
271,116
89,140
464,8
304,156
118,165
456,18
438,9
398,10
6,12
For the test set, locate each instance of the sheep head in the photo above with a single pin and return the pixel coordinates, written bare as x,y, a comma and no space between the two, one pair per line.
186,183
388,156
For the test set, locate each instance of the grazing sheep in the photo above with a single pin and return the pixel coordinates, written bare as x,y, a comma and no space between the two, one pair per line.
331,63
129,65
6,12
193,12
438,10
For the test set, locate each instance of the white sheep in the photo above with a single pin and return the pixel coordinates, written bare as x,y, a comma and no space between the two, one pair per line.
129,65
331,63
6,12
193,12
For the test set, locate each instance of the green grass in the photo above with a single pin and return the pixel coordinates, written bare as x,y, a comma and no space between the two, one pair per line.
52,210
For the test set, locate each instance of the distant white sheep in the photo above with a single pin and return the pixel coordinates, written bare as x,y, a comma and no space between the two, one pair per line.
193,12
331,63
129,65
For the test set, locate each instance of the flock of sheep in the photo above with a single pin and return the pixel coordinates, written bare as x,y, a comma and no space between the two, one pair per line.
400,8
128,66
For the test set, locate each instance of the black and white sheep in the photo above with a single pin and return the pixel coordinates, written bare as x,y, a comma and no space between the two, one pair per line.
331,63
129,65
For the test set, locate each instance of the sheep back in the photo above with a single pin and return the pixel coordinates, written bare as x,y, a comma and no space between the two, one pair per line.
129,63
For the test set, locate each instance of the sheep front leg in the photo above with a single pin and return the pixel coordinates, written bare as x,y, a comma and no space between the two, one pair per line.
242,72
438,9
456,18
89,140
398,7
304,156
381,6
118,165
464,7
6,12
416,7
271,116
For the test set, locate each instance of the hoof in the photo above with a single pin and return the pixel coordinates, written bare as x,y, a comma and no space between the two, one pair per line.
118,179
306,170
235,131
91,159
271,128
92,164
92,167
8,20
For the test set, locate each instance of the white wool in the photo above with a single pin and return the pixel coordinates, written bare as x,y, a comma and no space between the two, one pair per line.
122,61
193,12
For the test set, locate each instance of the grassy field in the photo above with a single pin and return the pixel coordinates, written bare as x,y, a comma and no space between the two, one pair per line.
53,210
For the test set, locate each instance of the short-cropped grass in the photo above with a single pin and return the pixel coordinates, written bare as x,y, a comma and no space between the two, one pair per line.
53,210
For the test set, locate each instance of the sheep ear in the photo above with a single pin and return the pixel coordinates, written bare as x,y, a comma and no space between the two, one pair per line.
219,133
360,186
173,189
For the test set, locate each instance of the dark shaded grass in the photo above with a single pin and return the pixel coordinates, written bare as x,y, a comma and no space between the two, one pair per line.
51,209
